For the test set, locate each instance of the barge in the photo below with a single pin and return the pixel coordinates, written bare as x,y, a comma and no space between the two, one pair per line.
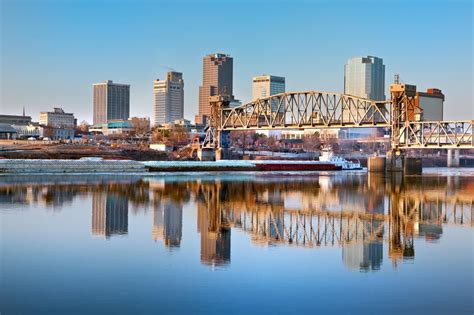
271,165
240,165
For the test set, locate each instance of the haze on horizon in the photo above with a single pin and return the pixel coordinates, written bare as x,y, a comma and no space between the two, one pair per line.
53,51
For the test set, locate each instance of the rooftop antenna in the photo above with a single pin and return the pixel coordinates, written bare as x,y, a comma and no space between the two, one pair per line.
396,79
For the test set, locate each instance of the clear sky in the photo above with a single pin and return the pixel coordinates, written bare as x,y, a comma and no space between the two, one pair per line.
52,51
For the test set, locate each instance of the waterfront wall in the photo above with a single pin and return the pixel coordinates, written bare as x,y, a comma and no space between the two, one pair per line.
71,166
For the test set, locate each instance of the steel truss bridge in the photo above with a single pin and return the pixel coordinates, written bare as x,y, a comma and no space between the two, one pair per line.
322,110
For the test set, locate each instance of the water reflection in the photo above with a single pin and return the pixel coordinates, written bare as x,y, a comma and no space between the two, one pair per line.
215,236
109,214
168,223
356,212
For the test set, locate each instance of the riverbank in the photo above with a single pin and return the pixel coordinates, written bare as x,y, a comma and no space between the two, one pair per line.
77,151
84,165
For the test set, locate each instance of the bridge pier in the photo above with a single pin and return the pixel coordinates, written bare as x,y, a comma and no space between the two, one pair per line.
395,163
223,154
206,154
412,166
453,158
377,164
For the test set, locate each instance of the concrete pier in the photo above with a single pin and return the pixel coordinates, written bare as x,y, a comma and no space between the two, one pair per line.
395,162
206,154
453,158
223,154
376,164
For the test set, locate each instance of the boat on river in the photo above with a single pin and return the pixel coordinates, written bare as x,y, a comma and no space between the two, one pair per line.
327,156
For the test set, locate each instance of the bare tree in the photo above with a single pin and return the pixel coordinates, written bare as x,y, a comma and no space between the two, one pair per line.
83,127
312,142
141,127
178,135
272,144
159,134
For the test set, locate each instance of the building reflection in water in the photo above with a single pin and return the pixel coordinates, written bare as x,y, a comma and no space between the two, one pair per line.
360,214
215,237
109,214
367,255
168,223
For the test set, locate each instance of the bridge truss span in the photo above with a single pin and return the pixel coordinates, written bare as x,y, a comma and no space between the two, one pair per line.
437,134
323,110
308,109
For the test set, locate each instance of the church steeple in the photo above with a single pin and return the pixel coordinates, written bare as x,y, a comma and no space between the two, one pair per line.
23,111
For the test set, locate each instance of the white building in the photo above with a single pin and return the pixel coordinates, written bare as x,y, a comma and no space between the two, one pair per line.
57,119
365,77
168,98
30,130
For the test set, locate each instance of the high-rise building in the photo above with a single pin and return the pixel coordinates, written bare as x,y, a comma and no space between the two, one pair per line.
111,102
168,98
365,77
57,118
217,72
267,85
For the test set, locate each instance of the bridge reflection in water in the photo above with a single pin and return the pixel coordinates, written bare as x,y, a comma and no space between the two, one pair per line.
358,213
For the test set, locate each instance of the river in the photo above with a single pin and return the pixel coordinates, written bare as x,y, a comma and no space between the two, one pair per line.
238,243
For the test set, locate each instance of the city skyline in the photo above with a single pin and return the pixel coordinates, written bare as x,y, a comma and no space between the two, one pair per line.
317,66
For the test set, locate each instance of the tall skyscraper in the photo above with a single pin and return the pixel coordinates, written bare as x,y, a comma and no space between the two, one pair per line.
365,77
217,72
168,98
111,102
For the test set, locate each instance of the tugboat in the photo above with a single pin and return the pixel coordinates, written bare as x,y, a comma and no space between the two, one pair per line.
327,155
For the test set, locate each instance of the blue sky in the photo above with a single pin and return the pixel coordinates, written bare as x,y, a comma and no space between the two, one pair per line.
52,51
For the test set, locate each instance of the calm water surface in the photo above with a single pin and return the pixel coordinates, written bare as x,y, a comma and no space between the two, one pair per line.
237,243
